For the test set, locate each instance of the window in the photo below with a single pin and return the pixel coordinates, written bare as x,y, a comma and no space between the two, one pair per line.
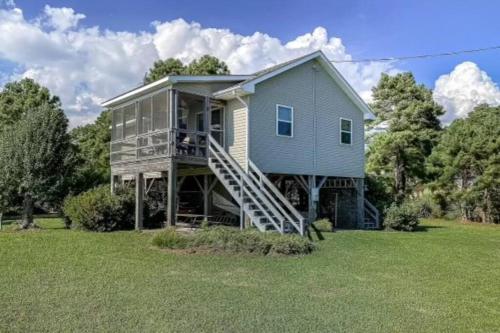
284,120
345,131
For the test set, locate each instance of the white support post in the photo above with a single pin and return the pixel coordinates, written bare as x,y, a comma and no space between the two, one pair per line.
242,214
313,198
139,200
360,203
205,196
172,194
113,179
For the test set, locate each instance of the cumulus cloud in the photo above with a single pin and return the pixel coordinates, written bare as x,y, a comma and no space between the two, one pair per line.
85,66
61,18
463,89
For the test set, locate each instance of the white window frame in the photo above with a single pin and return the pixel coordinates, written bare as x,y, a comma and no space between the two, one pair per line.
285,121
344,131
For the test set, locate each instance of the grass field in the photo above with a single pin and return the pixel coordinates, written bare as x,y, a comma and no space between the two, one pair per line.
445,278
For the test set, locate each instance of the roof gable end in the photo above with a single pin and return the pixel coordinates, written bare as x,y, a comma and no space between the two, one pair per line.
248,86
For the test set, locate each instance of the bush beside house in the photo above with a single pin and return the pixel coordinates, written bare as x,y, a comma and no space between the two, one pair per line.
99,210
403,217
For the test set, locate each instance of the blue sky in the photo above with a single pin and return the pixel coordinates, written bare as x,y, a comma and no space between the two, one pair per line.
368,29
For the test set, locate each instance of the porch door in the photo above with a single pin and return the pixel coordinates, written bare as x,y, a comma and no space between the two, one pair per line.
217,122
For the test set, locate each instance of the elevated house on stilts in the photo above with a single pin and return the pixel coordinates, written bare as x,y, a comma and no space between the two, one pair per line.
275,150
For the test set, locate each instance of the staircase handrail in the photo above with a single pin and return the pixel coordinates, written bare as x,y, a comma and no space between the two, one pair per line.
246,181
281,198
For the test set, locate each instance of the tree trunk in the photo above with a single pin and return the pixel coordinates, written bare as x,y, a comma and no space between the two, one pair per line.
487,210
1,217
400,180
27,211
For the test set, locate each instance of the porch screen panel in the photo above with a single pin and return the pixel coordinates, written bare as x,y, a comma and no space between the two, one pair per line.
117,124
160,109
145,116
130,121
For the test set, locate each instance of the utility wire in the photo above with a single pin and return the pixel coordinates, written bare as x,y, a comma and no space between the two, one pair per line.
421,56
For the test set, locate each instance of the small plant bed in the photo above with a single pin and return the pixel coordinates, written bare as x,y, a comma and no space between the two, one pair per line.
323,225
231,240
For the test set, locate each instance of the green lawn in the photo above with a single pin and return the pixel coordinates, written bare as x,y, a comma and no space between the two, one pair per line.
446,278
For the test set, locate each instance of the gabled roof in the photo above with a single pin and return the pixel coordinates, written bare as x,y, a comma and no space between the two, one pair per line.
245,84
248,86
172,79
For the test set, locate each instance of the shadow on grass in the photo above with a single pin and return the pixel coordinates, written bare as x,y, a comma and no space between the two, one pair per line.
40,223
316,231
425,228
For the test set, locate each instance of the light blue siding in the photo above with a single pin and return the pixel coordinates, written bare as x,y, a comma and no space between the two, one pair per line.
318,104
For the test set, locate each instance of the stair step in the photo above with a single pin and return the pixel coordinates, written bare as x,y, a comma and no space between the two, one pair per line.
246,193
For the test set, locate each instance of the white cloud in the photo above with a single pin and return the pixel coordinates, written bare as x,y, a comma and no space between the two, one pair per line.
62,18
85,66
7,3
464,88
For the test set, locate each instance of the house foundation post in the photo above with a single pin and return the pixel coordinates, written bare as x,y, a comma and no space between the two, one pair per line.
172,193
360,202
313,198
205,196
242,216
113,181
139,200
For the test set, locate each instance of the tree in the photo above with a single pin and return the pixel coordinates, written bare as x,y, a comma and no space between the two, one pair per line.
162,68
414,128
35,152
7,185
206,65
19,96
466,164
91,150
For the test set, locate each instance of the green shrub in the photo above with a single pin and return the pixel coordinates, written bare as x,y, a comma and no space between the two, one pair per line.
290,245
404,216
227,239
323,225
99,210
427,206
170,239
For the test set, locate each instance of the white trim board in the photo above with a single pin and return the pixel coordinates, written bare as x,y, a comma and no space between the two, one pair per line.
172,79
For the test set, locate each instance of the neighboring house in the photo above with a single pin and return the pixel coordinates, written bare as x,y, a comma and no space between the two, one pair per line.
275,149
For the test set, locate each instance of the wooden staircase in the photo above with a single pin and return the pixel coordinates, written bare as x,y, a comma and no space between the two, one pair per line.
266,207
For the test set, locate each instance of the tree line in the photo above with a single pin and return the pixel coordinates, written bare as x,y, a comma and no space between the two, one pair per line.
456,167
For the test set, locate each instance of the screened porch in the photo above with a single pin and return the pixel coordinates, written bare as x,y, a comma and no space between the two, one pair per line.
141,129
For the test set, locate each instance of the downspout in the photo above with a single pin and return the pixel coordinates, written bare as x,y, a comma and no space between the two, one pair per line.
242,101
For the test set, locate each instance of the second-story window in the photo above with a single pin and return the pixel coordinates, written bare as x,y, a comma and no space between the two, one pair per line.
284,120
345,131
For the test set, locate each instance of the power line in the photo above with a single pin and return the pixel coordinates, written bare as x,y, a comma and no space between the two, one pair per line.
420,56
